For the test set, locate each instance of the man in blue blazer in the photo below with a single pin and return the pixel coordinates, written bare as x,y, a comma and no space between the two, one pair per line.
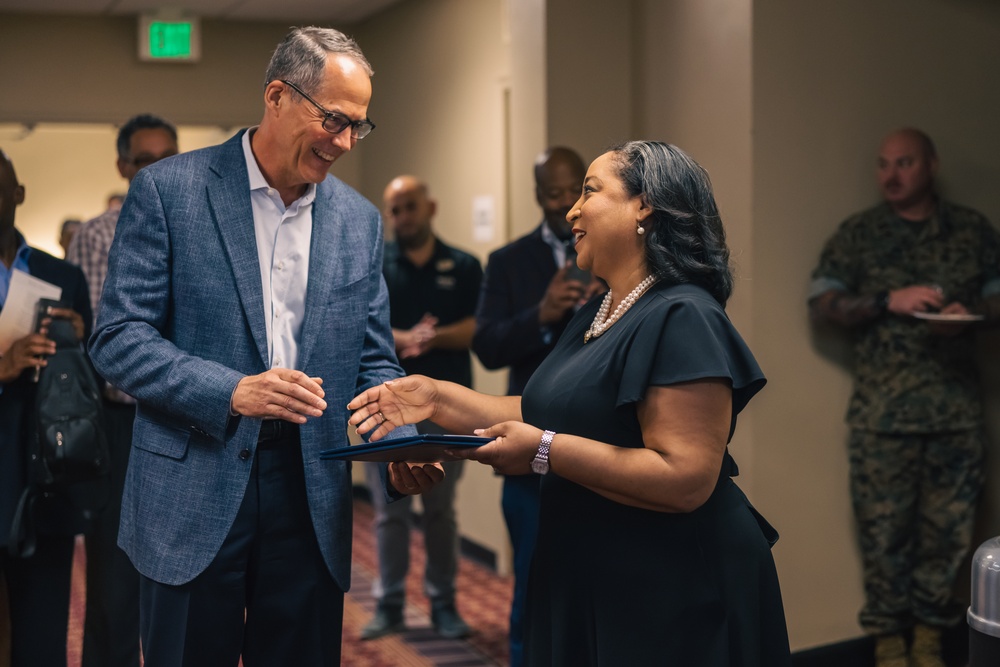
244,307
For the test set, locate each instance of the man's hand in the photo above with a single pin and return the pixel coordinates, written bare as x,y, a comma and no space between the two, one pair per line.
27,352
67,314
915,299
413,478
279,393
417,340
561,295
949,329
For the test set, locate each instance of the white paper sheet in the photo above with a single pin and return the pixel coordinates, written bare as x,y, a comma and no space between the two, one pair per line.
17,319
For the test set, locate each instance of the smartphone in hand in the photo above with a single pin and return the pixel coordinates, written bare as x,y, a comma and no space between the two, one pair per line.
42,315
42,310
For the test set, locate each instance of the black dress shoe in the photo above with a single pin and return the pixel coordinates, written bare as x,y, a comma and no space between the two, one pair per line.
387,620
448,623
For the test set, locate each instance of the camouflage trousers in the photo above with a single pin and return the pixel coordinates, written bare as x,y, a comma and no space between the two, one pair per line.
914,499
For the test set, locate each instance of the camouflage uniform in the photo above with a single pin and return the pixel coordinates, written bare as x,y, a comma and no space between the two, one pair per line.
916,447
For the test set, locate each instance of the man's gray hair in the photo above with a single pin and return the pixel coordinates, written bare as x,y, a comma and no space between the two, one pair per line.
301,56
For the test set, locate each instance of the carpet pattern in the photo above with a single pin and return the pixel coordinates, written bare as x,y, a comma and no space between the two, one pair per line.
483,600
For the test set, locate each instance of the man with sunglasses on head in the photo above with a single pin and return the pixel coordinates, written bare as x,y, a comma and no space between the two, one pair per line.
111,623
244,307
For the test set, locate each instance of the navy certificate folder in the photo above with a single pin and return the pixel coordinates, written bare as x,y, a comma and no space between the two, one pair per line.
425,448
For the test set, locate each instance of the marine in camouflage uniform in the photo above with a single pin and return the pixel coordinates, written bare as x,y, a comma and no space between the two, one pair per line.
916,445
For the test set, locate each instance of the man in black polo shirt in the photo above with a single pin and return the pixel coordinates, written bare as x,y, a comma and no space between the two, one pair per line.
433,289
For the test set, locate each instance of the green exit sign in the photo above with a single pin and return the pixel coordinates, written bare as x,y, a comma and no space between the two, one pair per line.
169,39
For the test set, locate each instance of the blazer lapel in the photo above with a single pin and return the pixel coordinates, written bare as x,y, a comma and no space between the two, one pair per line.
229,197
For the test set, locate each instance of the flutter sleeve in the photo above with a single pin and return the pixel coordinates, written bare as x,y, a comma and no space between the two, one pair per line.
684,338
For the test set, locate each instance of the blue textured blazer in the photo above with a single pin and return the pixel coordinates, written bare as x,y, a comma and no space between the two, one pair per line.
182,321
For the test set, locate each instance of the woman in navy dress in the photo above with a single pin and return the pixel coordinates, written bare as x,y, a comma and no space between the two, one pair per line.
648,553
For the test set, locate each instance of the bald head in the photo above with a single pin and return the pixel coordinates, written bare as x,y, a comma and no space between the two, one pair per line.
914,137
559,174
404,183
409,210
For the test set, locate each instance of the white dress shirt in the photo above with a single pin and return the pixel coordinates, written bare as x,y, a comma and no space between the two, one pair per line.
283,239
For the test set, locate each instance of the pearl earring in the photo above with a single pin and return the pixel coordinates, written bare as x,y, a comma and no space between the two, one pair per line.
640,230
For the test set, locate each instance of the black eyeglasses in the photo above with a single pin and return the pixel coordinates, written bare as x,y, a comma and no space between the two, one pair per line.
334,122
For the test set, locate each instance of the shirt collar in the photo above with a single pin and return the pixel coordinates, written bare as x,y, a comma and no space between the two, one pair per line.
550,237
437,254
23,250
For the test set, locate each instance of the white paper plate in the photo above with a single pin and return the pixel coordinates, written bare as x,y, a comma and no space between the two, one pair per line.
949,317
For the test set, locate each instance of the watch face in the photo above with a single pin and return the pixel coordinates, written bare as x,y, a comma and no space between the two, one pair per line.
539,466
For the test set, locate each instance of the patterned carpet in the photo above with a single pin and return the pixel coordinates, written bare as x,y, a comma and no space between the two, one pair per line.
483,600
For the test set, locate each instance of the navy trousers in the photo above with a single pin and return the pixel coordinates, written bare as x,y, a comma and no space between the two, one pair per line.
269,568
520,511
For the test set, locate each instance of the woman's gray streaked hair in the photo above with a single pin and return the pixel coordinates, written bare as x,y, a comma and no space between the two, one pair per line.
301,56
685,240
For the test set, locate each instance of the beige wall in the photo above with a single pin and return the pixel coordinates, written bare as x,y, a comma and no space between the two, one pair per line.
829,79
80,69
527,129
589,76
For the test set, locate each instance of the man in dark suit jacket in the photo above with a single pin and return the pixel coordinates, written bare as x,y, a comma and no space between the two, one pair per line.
244,307
37,586
529,294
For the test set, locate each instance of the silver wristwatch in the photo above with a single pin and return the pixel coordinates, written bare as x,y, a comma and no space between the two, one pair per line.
540,464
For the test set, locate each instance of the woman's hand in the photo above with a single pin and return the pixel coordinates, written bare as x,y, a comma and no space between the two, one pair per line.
381,409
512,450
413,478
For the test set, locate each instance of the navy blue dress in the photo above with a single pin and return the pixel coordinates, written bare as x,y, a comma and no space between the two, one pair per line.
617,585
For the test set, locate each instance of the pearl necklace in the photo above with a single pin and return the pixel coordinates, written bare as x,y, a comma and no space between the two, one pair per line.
602,322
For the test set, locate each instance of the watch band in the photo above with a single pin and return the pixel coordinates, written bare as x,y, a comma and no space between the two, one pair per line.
541,462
